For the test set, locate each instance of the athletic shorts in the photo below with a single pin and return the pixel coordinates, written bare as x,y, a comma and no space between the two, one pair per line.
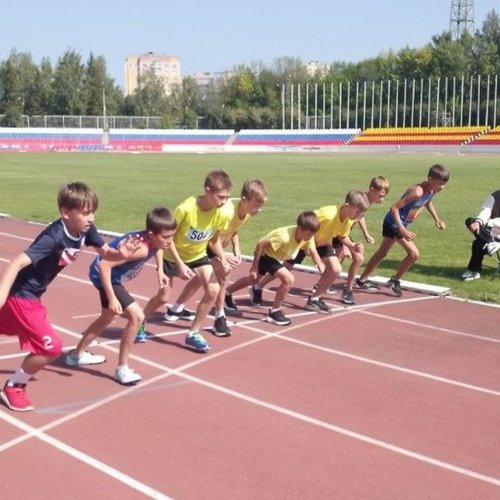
27,319
324,251
172,270
124,298
269,265
389,232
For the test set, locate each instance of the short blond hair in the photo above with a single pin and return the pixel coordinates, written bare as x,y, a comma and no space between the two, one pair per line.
254,189
217,180
379,183
357,199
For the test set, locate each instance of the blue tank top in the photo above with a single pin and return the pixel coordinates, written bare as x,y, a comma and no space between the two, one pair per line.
124,272
409,212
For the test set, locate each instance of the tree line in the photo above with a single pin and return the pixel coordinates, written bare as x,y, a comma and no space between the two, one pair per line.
252,97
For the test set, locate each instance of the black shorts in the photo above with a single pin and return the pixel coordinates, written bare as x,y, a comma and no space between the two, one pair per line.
389,232
210,254
124,298
324,251
269,265
172,270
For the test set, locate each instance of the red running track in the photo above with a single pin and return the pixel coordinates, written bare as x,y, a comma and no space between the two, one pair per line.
391,398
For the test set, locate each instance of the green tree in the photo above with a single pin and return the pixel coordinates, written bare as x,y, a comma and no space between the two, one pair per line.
69,96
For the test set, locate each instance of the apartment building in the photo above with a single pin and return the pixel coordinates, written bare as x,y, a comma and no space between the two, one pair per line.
167,68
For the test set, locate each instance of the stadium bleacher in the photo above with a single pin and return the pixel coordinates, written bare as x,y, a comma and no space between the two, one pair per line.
49,139
433,136
148,140
294,138
162,140
489,138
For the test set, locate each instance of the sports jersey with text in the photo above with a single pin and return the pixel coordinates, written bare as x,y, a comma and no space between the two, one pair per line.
195,228
126,271
51,251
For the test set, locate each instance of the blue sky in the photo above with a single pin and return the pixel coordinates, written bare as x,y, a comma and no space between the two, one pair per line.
216,35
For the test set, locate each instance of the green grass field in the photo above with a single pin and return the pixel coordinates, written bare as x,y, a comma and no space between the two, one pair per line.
128,185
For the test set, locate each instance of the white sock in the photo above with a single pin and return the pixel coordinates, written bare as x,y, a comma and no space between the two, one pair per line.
275,310
20,377
219,314
177,307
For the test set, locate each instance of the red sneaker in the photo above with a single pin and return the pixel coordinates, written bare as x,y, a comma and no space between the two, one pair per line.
16,397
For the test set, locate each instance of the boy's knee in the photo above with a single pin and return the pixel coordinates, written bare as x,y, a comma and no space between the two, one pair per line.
138,317
288,280
357,257
212,291
414,255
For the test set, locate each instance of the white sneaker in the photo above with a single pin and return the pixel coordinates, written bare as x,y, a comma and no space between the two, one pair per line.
127,376
492,247
86,358
470,275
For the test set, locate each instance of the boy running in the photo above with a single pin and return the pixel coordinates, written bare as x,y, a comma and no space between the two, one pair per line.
109,278
395,227
253,197
29,274
269,256
199,220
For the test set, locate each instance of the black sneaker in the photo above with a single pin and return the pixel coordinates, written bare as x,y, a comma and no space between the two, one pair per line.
277,318
220,328
317,306
348,297
256,296
229,303
366,284
394,286
185,314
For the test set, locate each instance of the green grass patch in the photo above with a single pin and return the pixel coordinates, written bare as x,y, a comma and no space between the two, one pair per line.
128,185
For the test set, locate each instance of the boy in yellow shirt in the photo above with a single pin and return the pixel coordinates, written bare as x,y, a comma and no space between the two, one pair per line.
253,197
269,256
333,233
199,220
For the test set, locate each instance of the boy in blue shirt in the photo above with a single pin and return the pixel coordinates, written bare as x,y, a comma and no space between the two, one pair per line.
395,227
29,274
109,278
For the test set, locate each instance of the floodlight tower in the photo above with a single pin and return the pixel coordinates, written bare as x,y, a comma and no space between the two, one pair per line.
461,17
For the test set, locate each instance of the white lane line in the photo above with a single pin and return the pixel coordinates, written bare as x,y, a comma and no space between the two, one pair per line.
84,458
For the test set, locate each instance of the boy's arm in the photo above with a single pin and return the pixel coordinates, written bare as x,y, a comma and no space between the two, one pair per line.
218,250
439,223
185,272
355,246
10,274
414,193
162,278
235,241
105,266
368,237
260,248
313,253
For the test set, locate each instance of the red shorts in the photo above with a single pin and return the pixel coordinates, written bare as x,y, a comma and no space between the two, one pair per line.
27,318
